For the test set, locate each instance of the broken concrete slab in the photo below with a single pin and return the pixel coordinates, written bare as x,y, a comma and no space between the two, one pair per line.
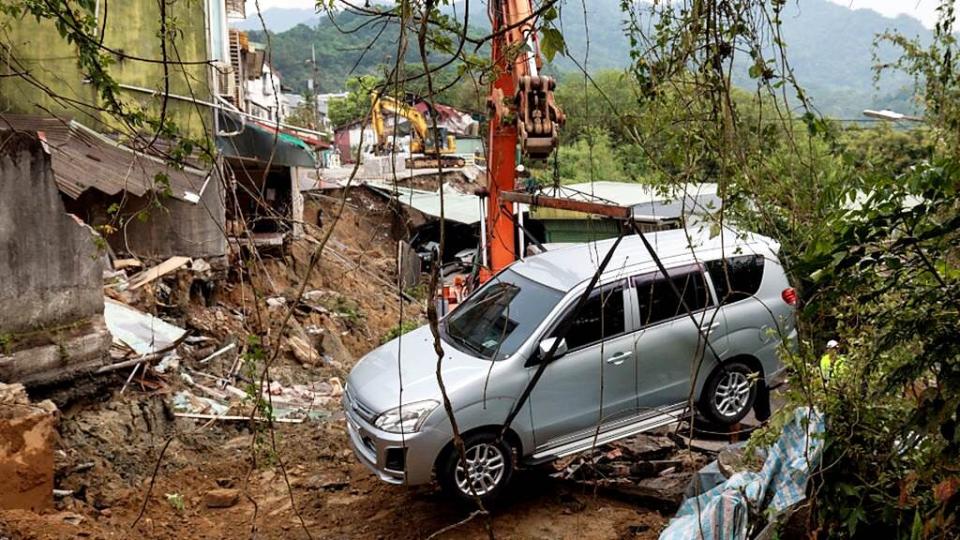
56,355
28,434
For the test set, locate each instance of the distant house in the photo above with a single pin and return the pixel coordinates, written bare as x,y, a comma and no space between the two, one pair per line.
349,138
262,83
290,102
456,122
323,106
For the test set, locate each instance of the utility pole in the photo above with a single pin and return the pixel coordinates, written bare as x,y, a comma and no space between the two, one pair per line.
312,87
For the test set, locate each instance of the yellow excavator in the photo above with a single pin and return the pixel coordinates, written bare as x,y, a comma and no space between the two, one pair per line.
423,153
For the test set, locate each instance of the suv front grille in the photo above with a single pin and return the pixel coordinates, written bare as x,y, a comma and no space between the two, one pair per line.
358,407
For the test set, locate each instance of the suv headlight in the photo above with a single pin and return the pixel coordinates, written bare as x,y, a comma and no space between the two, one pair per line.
406,418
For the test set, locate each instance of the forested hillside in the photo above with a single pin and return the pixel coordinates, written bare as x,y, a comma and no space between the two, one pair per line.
838,73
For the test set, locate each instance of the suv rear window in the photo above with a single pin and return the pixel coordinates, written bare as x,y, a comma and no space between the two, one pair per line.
658,302
601,318
736,278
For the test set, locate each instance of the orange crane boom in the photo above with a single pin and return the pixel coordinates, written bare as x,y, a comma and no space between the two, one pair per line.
523,113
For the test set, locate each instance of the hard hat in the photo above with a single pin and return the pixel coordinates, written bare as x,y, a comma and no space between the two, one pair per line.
833,344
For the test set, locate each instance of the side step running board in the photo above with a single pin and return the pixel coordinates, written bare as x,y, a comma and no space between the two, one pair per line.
652,422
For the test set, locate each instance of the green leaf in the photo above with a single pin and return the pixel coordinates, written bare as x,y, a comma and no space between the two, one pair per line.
551,43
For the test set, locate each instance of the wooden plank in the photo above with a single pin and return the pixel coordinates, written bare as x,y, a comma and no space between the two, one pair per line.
151,274
121,264
408,265
600,209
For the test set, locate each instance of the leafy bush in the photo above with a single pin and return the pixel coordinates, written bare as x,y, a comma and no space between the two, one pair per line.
400,329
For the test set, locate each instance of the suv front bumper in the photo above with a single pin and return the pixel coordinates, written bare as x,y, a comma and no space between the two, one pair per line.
395,458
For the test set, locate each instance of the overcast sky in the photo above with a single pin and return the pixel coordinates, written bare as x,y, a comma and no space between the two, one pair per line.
921,9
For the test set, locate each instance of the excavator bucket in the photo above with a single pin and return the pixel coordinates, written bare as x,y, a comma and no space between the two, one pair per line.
539,118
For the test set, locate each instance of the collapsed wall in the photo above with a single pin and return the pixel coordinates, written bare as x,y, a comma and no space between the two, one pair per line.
51,277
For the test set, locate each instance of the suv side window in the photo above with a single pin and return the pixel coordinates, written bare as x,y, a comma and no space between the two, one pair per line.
736,278
601,318
657,301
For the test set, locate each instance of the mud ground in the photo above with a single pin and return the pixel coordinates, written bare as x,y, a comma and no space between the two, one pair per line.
329,490
134,470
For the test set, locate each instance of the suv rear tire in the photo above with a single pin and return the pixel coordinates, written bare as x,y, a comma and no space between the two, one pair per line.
729,393
489,463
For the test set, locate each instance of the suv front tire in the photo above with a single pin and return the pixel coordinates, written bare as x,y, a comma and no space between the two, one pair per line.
489,468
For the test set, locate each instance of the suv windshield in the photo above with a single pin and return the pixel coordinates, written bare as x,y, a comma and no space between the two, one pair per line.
494,321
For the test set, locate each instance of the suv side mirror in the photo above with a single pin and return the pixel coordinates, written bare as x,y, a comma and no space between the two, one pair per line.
547,344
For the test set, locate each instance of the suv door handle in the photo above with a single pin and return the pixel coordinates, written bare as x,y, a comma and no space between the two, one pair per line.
709,328
618,358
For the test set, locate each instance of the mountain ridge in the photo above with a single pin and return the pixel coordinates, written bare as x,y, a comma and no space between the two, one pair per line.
830,47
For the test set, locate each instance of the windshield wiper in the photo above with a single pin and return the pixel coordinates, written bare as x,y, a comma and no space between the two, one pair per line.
459,338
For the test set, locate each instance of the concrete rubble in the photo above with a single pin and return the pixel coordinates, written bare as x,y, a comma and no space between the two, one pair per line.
659,469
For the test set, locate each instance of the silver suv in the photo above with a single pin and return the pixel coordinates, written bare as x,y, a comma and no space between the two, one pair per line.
631,360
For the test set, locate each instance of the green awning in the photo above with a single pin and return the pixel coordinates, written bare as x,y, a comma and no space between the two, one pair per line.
261,144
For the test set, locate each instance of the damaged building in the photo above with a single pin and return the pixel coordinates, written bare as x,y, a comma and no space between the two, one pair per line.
147,204
143,207
51,300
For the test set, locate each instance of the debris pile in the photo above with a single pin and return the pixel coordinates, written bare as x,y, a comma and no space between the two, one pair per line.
646,468
185,386
221,400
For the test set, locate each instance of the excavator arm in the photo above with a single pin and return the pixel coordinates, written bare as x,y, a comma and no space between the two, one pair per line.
386,103
523,113
418,124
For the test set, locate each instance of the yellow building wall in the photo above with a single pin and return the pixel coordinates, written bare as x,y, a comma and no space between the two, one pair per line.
49,65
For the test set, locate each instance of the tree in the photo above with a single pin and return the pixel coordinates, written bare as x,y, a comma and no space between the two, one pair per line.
356,106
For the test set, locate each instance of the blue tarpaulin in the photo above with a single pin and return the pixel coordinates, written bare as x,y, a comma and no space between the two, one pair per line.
721,513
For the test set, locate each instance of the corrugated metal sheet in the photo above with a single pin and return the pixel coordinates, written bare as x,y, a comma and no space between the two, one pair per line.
84,159
457,206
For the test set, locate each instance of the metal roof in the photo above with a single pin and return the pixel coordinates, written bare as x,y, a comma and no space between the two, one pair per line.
647,201
82,159
457,206
565,268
